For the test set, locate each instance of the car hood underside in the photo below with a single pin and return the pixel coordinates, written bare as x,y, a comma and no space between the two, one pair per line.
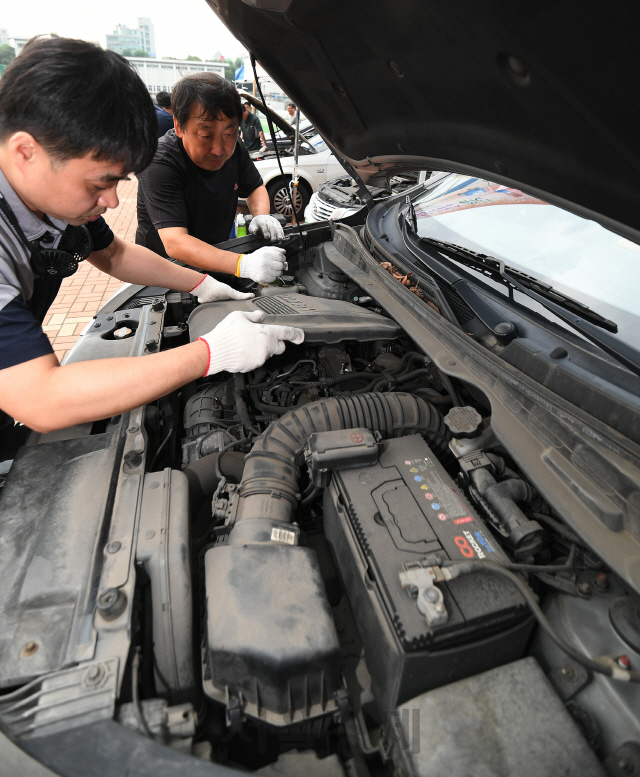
520,93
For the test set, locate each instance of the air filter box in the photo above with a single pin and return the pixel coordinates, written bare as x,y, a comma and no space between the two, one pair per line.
271,642
395,516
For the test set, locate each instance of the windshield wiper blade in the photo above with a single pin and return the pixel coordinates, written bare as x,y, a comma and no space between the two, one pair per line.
502,273
410,215
578,316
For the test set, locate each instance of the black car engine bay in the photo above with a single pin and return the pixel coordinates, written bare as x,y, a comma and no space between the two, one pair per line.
312,577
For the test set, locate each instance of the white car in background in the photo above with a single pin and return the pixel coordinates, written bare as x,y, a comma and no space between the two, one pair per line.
316,164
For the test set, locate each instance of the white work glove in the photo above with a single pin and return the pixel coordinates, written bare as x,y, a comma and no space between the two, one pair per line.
240,343
210,290
269,227
264,265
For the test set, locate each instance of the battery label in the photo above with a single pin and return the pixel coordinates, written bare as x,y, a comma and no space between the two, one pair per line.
455,526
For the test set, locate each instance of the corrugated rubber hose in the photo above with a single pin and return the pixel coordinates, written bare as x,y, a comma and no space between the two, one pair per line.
269,486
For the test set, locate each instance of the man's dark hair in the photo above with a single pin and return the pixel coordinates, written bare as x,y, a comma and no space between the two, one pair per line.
77,99
291,105
163,99
214,94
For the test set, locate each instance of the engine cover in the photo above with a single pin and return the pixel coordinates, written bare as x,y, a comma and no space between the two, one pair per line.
323,320
388,518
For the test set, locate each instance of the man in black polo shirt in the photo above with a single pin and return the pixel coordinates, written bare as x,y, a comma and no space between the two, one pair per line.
251,129
74,121
188,196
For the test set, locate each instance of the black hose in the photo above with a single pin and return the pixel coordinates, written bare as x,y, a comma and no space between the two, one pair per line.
432,396
241,406
269,486
446,382
559,528
202,477
274,409
412,375
502,498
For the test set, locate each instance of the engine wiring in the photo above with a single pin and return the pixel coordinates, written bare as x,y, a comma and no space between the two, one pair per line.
603,665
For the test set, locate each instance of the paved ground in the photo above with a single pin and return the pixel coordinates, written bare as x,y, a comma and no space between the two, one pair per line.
83,294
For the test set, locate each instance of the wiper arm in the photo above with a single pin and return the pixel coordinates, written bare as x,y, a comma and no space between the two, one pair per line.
578,316
410,216
502,273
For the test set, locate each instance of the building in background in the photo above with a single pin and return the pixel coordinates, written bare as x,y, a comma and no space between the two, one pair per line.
17,44
147,35
159,75
132,39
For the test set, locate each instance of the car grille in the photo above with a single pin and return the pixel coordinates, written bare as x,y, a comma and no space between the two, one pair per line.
322,210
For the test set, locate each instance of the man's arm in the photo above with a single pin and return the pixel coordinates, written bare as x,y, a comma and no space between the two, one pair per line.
45,396
132,263
258,201
179,244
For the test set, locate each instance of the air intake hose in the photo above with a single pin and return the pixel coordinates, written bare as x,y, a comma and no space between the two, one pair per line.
269,485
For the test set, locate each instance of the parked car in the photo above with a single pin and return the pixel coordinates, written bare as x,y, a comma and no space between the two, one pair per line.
342,197
316,163
410,545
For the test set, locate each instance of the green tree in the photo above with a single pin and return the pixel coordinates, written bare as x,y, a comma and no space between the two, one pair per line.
230,69
140,53
127,52
175,58
191,58
7,53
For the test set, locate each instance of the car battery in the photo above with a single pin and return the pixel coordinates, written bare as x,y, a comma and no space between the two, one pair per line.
398,516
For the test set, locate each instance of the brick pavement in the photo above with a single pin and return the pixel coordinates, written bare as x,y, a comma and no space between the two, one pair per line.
83,294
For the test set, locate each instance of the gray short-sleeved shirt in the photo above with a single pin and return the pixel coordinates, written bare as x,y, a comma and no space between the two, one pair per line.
16,276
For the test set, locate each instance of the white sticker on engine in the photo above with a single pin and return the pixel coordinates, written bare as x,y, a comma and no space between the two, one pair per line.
283,535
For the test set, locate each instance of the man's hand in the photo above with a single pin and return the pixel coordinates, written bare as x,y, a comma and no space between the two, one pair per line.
241,343
264,265
269,227
210,290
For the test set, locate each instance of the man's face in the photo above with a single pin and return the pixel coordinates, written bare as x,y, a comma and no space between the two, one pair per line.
75,191
245,112
208,142
292,110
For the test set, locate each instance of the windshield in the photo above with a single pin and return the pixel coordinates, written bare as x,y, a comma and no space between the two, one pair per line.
318,143
576,256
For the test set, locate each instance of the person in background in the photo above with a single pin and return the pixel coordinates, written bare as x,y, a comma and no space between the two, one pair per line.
74,121
251,130
164,113
291,110
188,195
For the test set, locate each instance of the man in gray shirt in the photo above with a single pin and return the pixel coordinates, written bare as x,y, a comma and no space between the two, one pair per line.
74,121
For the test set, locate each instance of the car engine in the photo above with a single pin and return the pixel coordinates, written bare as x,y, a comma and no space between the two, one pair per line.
293,604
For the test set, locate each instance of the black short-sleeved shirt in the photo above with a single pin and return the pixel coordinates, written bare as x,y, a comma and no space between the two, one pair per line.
175,192
251,129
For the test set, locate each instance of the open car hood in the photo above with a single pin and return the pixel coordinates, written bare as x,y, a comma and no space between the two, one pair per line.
536,96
